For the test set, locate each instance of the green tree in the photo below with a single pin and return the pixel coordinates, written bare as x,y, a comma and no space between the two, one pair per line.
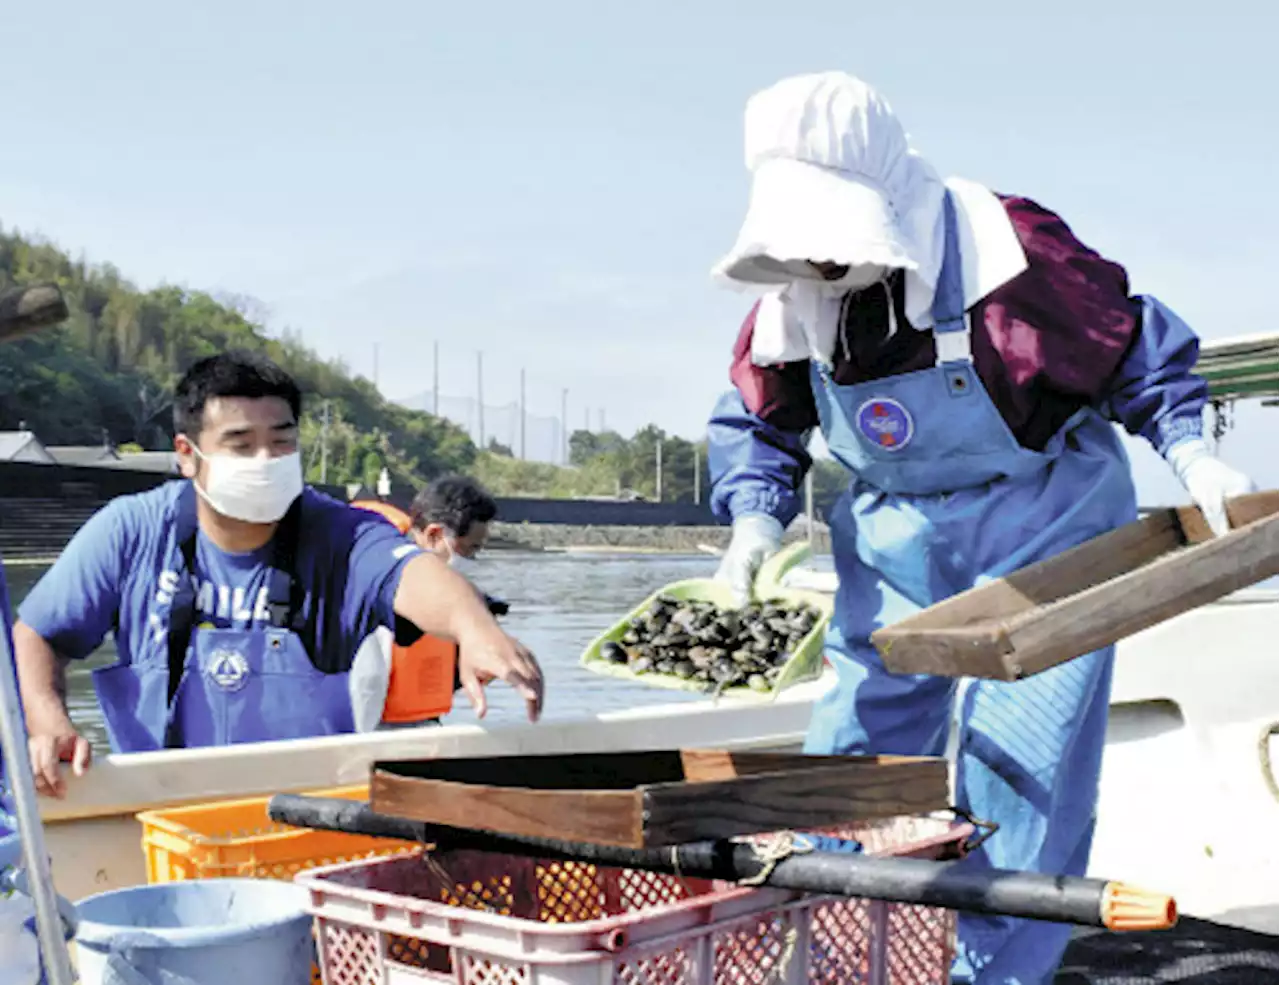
830,480
604,465
113,364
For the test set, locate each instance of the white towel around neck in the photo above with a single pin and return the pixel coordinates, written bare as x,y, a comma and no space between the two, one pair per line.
802,320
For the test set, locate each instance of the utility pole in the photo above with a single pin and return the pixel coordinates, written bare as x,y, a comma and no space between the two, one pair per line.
659,476
564,425
435,378
697,476
324,445
480,397
602,420
375,366
523,456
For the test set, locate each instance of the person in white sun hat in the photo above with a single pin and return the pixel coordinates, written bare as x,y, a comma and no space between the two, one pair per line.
963,355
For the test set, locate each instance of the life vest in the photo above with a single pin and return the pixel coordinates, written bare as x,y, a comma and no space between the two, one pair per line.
423,672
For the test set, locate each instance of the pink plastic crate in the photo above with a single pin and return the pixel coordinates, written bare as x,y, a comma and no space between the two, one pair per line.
473,918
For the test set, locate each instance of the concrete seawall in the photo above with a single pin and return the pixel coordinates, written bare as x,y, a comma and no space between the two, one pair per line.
547,536
42,506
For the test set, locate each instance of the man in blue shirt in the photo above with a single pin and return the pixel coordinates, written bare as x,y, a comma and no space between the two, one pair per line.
238,596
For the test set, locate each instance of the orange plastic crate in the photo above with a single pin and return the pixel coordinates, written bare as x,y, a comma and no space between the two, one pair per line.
236,838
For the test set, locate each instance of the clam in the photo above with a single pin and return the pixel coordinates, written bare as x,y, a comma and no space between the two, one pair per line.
724,669
722,648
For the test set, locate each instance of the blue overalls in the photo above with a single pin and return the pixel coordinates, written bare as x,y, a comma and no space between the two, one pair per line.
210,687
944,498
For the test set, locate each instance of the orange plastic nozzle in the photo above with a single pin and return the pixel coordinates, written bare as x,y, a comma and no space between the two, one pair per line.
1129,908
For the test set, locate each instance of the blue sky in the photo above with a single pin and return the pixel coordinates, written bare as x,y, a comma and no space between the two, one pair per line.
551,183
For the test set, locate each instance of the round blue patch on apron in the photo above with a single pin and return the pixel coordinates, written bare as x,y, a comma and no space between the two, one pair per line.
885,423
229,670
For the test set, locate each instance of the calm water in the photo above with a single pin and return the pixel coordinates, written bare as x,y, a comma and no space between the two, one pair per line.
559,603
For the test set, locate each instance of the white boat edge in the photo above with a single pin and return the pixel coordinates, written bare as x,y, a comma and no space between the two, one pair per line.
1185,804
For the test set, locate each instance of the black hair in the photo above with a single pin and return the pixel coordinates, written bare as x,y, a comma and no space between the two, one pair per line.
456,501
234,373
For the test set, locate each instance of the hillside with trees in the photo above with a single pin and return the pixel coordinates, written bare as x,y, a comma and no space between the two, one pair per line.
106,375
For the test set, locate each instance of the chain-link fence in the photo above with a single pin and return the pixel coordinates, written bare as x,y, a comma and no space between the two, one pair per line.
542,439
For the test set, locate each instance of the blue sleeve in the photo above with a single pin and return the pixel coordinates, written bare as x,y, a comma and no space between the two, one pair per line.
379,553
1155,393
77,601
755,467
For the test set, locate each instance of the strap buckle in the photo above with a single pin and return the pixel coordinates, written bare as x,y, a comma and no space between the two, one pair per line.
954,346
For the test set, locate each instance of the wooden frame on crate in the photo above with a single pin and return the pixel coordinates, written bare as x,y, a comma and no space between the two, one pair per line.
657,797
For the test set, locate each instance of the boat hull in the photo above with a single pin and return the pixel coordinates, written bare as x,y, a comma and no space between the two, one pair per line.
1185,805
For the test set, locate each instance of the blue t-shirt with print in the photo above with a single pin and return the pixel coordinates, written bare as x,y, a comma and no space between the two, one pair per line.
119,572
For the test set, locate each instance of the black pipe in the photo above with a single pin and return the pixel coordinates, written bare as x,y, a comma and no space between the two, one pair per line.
954,885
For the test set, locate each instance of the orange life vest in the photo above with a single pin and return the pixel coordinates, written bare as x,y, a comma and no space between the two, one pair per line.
422,674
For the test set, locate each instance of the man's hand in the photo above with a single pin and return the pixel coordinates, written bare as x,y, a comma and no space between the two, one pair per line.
53,740
49,751
486,653
441,602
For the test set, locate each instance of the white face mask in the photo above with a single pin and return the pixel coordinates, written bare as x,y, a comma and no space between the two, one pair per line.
255,490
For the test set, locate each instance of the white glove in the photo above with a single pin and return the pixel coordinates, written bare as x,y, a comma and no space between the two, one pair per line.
370,679
756,536
1209,481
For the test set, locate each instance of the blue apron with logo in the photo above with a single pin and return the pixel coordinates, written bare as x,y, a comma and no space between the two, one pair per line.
210,687
944,498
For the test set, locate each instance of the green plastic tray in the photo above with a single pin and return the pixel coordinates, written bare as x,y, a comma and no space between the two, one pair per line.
804,664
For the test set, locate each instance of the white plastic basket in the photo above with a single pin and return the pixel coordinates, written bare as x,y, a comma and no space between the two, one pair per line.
472,918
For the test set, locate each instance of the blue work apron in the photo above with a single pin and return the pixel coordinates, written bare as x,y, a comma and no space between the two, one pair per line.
211,687
944,498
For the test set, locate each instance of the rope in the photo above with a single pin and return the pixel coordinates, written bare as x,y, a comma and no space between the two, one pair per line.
1264,754
778,971
465,895
781,845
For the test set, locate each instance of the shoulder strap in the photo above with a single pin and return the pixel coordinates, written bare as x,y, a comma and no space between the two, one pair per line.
948,296
182,611
951,333
284,592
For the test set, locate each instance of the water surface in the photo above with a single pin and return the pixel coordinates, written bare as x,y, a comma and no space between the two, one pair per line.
559,603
